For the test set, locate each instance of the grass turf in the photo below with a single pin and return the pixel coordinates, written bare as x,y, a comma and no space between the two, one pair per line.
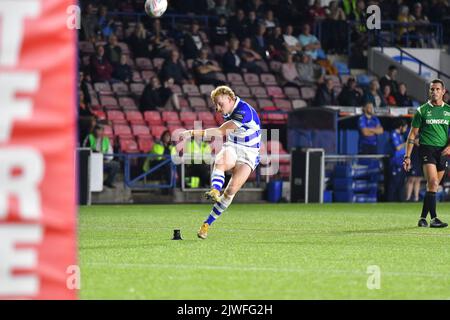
262,251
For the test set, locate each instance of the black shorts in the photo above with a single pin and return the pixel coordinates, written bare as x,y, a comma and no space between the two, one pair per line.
430,154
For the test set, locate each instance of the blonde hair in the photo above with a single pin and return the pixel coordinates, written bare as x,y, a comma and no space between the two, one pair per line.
222,90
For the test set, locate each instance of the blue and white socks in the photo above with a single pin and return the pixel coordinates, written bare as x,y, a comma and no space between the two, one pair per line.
217,179
219,208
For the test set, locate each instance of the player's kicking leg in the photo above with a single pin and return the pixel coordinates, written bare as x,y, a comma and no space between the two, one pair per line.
225,160
433,177
241,172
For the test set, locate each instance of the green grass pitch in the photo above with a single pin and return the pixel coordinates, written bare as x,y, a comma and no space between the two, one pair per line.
262,251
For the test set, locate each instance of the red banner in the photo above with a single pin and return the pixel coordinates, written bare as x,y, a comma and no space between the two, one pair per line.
37,157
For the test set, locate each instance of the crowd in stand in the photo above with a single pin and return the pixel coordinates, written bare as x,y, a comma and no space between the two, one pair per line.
271,43
253,36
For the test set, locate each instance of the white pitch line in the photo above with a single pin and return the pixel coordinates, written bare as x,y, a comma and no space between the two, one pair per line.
258,269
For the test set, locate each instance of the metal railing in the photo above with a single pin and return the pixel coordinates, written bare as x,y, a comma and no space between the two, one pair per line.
381,43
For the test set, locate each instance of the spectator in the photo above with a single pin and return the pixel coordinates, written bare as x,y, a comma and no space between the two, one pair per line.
105,24
192,43
101,69
276,44
334,12
256,6
350,94
231,60
252,24
161,150
122,71
359,35
374,96
401,97
325,95
210,6
316,12
358,13
98,142
259,42
349,6
220,32
397,174
369,127
389,79
270,22
205,70
292,43
160,44
172,68
308,71
83,86
438,10
309,42
84,109
113,51
139,42
249,57
388,97
421,31
334,29
289,72
89,23
198,174
405,17
157,97
238,25
222,8
289,10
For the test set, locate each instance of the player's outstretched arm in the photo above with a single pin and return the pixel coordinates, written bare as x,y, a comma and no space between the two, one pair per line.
211,132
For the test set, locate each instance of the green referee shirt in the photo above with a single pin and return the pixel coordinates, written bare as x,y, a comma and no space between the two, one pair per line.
433,122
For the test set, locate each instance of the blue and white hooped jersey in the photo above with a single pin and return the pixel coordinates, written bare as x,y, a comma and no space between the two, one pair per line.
248,132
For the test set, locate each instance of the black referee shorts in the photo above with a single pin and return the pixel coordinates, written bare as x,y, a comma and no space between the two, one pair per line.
433,155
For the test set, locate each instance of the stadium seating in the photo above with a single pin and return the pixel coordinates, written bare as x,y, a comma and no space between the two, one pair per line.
140,130
128,145
292,92
143,64
198,103
275,92
259,92
122,130
235,79
157,131
191,90
145,143
268,79
103,88
251,79
133,115
171,117
188,118
127,103
114,115
120,88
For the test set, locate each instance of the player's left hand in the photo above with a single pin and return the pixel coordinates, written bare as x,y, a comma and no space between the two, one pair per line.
446,151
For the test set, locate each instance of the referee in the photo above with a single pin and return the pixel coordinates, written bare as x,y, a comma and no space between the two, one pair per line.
432,120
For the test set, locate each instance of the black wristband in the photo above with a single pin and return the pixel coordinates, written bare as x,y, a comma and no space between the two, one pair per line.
405,157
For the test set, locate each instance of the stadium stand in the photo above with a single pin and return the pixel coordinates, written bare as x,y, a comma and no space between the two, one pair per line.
171,55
